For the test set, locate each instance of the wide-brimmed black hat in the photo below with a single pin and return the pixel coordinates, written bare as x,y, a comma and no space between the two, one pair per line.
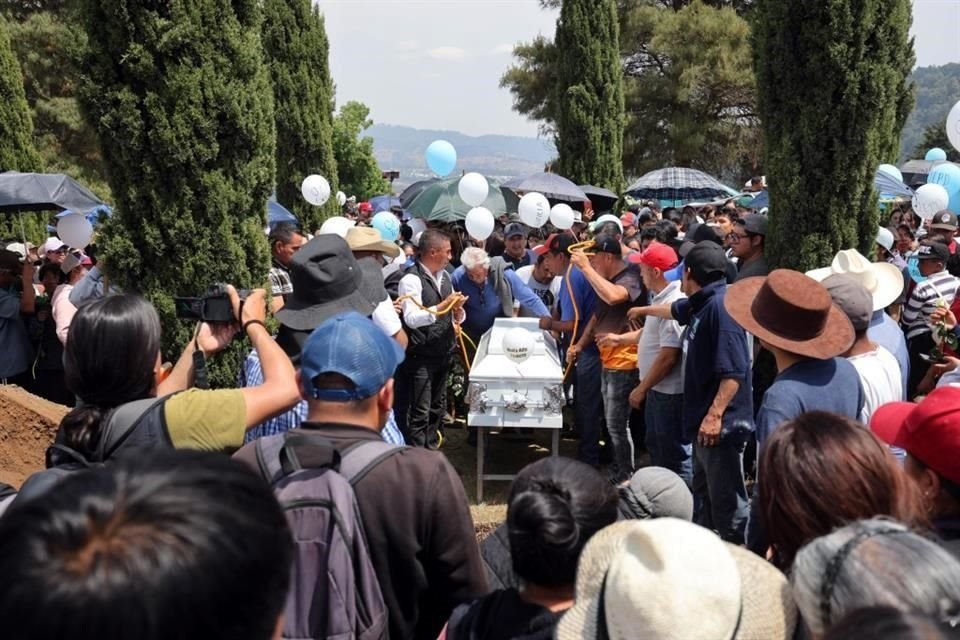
326,281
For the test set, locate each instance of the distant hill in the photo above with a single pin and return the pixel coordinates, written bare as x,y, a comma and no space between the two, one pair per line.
938,89
403,148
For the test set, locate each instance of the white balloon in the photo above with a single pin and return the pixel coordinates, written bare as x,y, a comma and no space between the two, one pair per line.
315,190
953,126
337,225
479,223
562,216
417,225
473,189
929,199
534,210
341,198
75,230
518,344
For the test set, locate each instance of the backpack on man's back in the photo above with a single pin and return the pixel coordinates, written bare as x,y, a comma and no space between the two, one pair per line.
334,589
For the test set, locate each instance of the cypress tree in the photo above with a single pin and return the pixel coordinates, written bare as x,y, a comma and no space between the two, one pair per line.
833,96
17,152
589,93
296,47
181,99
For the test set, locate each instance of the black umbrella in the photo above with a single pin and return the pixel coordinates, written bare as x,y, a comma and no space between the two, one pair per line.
602,199
44,192
553,186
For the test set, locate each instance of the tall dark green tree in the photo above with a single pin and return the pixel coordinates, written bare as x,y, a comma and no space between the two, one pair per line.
180,96
16,128
833,97
359,173
297,49
589,93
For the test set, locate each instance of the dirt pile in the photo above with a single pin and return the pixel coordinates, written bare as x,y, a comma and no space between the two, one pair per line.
27,427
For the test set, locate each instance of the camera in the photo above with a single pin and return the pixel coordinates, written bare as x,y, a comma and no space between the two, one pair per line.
213,306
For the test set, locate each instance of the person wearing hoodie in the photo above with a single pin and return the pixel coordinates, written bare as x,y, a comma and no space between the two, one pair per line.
556,505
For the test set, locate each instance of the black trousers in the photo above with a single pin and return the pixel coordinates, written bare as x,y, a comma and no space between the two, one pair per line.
917,347
422,400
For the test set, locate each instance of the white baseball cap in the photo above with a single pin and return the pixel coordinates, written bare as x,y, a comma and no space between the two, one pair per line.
53,244
885,238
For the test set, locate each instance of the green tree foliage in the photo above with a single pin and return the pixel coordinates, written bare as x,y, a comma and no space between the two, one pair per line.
589,93
180,96
936,136
296,45
16,128
690,96
832,86
357,170
937,89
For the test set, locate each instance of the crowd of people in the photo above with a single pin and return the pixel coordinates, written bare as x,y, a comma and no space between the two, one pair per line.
760,454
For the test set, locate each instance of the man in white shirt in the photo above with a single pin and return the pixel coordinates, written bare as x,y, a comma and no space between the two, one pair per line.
74,267
541,281
879,371
660,391
430,308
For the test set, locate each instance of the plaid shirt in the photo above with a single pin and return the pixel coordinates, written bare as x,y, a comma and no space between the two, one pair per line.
280,284
252,376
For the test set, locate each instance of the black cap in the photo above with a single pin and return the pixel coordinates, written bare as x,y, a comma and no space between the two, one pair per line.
707,261
755,224
560,243
944,219
607,244
930,250
515,229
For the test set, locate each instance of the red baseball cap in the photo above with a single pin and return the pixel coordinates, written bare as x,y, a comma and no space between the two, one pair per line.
628,218
365,207
929,431
657,255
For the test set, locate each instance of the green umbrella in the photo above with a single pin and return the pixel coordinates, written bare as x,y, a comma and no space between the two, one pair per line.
441,202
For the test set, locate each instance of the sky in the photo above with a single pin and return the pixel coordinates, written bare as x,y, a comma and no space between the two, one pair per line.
436,64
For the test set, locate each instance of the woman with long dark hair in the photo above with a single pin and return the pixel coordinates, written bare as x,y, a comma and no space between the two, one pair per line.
821,471
113,358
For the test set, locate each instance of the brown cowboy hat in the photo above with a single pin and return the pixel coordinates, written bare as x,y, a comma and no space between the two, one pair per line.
791,311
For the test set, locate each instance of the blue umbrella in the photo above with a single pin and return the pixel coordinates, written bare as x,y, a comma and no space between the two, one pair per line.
886,184
553,186
384,203
277,213
93,215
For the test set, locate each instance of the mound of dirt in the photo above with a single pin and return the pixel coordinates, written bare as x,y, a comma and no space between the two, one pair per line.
28,425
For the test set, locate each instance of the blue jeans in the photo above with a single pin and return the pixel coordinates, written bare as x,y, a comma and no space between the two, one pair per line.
589,406
719,493
616,387
665,440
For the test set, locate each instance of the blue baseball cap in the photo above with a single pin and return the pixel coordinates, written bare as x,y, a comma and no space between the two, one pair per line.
675,274
351,345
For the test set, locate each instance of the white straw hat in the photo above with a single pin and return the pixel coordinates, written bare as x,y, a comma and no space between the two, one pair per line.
883,280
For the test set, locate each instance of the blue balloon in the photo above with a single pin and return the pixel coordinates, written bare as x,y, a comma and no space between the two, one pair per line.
948,176
441,157
891,170
936,154
387,224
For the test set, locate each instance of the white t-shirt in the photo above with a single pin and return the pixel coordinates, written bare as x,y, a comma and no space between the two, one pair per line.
659,333
880,377
549,293
386,318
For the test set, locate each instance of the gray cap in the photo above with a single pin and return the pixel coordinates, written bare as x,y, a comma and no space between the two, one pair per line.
655,492
852,298
755,223
515,229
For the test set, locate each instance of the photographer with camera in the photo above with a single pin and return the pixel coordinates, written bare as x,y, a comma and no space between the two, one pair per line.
113,364
17,299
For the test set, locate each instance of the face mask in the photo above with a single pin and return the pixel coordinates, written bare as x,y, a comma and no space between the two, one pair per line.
913,268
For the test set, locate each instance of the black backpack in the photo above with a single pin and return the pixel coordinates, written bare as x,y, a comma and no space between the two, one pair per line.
129,427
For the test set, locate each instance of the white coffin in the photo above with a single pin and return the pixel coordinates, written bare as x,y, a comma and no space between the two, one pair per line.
504,393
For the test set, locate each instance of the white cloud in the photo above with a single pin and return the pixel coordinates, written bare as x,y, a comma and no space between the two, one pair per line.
502,49
449,54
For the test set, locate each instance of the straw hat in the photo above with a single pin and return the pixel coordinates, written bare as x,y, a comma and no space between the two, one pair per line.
791,311
883,280
670,579
369,239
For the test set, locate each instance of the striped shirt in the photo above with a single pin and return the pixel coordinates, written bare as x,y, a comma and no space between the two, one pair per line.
923,302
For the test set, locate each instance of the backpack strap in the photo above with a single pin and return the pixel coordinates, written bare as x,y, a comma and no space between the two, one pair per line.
360,459
123,421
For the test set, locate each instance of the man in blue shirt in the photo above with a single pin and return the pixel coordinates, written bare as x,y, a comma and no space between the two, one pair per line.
575,313
718,398
491,287
794,317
